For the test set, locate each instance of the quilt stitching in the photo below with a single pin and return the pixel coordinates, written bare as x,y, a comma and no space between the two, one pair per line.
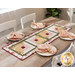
32,50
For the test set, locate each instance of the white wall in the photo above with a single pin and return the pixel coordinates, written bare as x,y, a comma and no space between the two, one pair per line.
64,14
40,14
17,14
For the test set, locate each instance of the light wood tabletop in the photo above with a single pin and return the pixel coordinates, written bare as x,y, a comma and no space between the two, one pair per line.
35,60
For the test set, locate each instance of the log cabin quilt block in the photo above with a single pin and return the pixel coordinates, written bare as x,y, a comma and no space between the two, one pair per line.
22,48
47,34
36,40
55,27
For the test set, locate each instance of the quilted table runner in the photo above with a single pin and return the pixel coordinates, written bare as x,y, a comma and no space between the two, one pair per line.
27,46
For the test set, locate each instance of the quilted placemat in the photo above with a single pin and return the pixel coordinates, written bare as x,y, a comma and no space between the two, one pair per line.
27,46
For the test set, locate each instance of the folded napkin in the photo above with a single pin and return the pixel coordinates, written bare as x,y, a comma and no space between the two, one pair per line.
56,62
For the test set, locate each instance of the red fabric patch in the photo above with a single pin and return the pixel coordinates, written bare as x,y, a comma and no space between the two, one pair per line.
23,47
36,40
47,33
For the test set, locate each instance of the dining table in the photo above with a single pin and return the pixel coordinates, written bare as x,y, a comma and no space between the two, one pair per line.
35,60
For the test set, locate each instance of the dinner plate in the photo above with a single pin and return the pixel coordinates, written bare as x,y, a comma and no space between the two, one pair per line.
34,27
47,53
8,37
67,38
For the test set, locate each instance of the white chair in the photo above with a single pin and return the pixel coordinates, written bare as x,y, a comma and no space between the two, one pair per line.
28,18
8,25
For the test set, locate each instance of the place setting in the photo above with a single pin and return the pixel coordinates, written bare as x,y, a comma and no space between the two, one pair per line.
14,37
38,25
65,35
46,49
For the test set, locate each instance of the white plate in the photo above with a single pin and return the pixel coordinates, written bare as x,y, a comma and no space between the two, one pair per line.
8,37
47,53
34,27
68,38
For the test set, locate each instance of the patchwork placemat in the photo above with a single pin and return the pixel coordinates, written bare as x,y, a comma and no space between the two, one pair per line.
26,47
